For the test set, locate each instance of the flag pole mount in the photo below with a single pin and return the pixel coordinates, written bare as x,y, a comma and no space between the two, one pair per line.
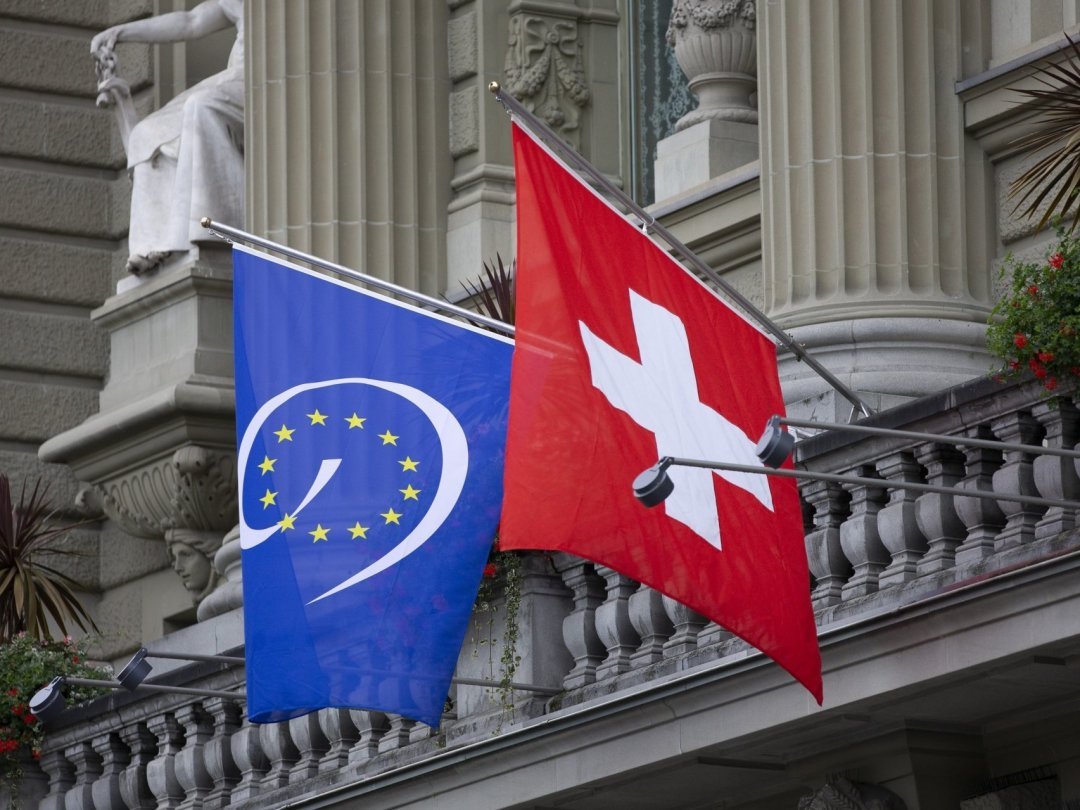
648,222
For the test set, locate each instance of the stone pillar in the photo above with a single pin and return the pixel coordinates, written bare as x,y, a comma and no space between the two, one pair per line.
876,237
561,60
373,76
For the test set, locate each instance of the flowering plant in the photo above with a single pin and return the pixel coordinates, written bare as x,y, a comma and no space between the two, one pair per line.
26,665
1036,326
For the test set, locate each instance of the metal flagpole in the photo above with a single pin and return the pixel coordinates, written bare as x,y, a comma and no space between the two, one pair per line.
515,109
229,233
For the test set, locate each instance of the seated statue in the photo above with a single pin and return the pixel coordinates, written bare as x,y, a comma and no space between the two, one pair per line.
186,159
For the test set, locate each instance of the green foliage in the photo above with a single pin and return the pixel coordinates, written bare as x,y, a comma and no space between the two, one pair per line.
1035,328
26,665
1055,178
31,591
503,577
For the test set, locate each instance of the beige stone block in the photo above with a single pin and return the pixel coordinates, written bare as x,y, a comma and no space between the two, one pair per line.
34,60
90,13
78,205
78,555
462,43
55,272
61,133
701,152
35,411
26,468
61,344
125,558
464,122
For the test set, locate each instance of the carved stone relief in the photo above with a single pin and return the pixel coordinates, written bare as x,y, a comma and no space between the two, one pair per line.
839,793
545,72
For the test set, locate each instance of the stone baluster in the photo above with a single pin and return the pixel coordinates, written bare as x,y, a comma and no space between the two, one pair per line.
397,733
828,565
251,761
217,753
142,746
896,523
80,796
613,623
341,735
281,753
579,627
652,624
859,536
1017,476
688,623
712,633
935,512
371,726
114,758
1056,477
982,518
191,770
420,732
307,735
61,775
161,771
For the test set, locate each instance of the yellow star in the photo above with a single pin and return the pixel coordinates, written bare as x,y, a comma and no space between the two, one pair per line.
319,534
410,493
267,464
356,421
285,434
358,531
268,499
317,418
408,465
388,438
391,516
287,522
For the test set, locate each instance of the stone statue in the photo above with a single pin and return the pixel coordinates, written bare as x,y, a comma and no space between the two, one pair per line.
191,553
186,159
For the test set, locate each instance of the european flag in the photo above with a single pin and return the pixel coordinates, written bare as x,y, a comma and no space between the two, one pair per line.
370,452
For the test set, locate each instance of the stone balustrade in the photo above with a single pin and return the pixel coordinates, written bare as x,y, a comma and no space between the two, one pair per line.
870,549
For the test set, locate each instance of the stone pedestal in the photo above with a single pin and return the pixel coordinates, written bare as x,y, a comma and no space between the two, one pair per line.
701,152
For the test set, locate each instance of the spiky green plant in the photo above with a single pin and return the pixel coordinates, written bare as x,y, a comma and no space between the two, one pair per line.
494,294
1056,176
33,592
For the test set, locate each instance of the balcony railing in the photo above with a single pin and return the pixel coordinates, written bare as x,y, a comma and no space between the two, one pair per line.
594,632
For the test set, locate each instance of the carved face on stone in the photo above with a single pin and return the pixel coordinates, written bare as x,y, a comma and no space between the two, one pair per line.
191,554
192,565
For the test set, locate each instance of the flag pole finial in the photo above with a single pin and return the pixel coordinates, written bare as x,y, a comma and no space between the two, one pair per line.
206,222
494,87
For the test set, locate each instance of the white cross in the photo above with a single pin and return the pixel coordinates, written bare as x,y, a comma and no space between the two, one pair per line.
661,395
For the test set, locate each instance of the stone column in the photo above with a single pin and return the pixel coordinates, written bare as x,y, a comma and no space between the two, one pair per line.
330,84
876,237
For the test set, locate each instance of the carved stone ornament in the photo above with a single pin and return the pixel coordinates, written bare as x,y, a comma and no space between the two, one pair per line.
194,488
544,71
716,46
839,793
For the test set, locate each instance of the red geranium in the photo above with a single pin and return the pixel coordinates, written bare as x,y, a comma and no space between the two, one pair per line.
1020,340
1056,261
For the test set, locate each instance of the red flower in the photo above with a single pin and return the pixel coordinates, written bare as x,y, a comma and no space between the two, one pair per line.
1046,357
1056,261
1014,365
491,570
74,659
1020,340
1050,384
19,709
13,692
36,753
29,719
1033,290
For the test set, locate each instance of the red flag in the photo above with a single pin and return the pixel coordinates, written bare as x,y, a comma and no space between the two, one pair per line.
623,356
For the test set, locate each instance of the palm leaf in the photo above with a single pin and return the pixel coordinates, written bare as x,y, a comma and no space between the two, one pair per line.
494,295
1055,176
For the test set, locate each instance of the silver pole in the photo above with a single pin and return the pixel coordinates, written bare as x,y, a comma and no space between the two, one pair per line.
962,441
581,164
522,687
229,233
155,687
221,659
878,483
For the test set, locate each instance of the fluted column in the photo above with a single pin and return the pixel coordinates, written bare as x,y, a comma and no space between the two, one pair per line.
347,133
875,237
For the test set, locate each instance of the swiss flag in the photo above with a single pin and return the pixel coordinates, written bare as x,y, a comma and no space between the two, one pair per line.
623,356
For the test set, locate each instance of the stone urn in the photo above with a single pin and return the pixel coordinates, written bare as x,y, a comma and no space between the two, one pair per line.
716,46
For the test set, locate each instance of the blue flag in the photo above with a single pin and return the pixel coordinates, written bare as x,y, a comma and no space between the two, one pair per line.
370,452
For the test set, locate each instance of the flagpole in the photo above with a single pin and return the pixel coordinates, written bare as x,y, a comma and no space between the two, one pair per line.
229,233
538,127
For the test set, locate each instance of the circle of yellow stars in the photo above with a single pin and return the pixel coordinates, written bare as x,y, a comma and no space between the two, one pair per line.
357,531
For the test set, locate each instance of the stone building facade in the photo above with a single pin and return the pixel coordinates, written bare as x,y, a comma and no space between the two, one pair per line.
843,163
